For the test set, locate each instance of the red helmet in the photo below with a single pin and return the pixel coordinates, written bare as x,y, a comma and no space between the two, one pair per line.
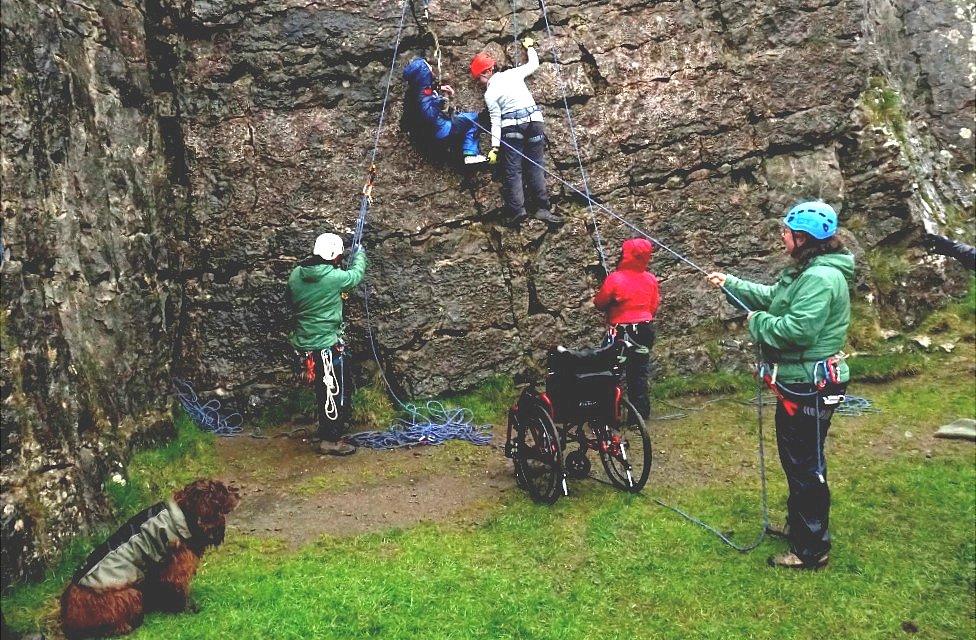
481,63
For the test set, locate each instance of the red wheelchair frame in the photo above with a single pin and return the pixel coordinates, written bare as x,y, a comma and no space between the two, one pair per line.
584,404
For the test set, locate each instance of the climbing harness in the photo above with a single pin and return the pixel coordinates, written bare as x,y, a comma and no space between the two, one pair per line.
207,416
433,424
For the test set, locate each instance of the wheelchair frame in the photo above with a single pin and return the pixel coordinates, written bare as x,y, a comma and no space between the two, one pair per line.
539,431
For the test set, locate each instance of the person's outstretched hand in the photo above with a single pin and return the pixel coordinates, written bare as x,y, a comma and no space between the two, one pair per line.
493,155
717,278
528,42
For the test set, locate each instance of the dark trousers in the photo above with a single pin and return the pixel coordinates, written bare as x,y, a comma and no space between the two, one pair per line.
801,451
520,176
331,429
638,365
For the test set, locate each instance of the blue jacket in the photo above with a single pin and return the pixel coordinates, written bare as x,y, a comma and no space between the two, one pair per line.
420,80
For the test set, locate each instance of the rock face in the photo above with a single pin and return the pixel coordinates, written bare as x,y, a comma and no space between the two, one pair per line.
699,121
88,268
166,164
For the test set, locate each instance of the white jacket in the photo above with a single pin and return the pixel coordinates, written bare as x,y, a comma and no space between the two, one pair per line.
506,92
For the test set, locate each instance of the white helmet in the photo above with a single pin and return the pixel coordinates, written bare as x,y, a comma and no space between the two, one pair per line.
328,246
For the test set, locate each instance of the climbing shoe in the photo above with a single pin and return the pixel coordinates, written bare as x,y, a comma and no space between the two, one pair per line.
476,159
793,561
548,216
329,448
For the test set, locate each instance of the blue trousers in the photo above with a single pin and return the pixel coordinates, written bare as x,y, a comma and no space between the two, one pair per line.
464,133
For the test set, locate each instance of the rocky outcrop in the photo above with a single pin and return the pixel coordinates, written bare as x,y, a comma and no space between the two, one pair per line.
700,121
88,266
165,165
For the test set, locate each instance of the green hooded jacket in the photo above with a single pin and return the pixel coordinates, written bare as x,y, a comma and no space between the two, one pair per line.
315,293
804,317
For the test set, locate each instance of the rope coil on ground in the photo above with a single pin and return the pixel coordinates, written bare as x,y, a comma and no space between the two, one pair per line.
434,424
207,416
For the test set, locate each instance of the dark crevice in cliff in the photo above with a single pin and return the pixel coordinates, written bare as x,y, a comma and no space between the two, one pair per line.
163,59
592,71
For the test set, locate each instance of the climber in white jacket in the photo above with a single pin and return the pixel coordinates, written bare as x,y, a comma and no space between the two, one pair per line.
516,120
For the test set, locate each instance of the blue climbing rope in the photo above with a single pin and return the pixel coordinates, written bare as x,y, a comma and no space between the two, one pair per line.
433,424
207,416
856,406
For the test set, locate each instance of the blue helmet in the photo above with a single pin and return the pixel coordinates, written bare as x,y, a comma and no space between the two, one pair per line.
418,74
816,218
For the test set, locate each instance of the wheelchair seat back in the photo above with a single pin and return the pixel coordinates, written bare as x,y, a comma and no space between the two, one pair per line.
583,383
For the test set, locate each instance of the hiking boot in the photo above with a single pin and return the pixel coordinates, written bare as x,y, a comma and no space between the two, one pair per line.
548,216
519,218
793,561
475,159
779,532
341,448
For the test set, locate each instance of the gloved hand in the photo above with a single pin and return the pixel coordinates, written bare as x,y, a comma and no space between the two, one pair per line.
356,248
493,156
528,42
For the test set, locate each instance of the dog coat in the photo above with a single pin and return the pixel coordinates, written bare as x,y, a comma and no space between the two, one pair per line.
139,544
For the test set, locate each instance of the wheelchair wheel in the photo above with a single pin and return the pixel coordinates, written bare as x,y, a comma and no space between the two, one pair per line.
538,458
627,460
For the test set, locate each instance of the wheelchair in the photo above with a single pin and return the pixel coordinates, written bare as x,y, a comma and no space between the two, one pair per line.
583,407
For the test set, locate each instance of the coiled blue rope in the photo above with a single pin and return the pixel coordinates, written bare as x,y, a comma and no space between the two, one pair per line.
207,416
855,406
434,424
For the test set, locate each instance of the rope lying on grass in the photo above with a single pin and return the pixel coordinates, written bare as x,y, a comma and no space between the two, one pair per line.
207,416
433,425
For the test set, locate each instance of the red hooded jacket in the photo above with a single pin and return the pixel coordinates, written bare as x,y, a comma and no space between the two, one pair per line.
630,294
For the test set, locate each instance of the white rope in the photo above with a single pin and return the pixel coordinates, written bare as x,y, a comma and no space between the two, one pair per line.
331,385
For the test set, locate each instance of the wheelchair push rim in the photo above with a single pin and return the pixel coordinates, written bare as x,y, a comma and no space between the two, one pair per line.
627,457
538,456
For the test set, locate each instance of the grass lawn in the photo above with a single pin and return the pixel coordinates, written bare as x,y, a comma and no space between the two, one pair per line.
602,564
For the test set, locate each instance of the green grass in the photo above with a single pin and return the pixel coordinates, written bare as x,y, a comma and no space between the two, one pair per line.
702,384
154,474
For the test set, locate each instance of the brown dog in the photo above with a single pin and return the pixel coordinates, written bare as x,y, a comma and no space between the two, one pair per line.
147,565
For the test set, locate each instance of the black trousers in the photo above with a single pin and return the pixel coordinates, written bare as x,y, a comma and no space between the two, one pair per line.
331,428
520,176
801,452
638,365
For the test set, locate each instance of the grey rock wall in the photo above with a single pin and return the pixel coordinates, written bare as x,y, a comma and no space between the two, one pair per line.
88,289
701,121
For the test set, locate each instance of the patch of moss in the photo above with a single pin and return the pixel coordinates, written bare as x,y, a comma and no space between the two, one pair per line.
883,106
887,266
864,333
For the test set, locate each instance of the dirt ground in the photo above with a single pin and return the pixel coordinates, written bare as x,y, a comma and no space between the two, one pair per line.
292,493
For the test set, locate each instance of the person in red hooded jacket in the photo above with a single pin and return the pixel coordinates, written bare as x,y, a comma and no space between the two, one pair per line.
630,297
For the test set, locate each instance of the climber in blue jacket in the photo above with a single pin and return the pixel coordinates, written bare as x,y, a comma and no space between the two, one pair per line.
430,107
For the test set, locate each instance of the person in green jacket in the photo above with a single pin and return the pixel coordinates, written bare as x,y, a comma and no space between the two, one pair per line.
315,289
801,326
